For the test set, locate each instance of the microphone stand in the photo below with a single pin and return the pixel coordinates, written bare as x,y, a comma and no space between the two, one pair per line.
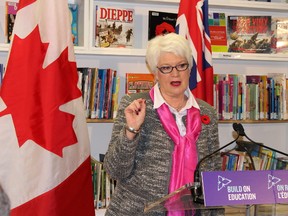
240,130
196,189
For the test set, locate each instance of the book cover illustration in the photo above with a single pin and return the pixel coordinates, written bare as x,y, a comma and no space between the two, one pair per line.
11,10
160,23
280,35
114,27
73,8
249,34
139,82
218,33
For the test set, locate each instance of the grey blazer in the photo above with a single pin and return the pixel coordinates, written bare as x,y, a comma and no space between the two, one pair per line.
142,166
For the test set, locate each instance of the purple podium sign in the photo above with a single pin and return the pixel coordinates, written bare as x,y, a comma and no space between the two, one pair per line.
222,188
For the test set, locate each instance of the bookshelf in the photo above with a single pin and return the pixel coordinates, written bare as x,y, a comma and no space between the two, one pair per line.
272,132
132,60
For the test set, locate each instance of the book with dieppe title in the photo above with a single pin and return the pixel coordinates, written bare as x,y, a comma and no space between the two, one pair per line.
114,27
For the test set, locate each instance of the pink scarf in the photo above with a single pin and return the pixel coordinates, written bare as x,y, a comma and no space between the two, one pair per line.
184,159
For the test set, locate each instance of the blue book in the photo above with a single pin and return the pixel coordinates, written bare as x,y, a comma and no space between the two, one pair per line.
73,8
271,98
102,75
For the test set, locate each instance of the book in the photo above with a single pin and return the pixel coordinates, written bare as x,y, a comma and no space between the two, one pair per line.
263,98
87,92
93,94
280,35
242,97
282,163
11,10
108,94
73,8
115,96
218,33
102,76
222,84
83,83
139,82
160,23
279,81
252,83
114,27
249,34
99,171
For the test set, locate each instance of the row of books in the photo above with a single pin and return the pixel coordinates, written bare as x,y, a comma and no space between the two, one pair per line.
246,34
251,97
262,158
11,8
114,27
103,185
100,90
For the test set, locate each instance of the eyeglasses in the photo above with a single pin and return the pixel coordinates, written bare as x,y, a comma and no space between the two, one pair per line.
168,69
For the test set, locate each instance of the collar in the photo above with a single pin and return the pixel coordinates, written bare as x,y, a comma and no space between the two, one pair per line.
159,100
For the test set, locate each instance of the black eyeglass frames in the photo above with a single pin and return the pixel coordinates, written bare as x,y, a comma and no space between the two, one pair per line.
168,69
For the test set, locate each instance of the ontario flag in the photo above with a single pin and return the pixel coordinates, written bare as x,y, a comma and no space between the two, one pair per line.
44,143
192,22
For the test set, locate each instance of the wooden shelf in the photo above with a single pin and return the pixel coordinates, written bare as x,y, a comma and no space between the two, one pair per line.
99,120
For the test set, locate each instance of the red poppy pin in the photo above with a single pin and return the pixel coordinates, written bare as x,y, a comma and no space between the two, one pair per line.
205,119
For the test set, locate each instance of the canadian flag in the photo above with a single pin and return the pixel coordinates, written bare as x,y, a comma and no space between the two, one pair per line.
44,142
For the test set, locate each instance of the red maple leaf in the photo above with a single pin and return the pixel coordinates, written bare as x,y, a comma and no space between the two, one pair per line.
33,94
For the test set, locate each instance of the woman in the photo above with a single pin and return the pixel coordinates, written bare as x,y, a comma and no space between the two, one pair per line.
158,136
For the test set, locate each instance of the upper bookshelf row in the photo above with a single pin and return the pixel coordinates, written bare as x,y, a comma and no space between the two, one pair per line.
87,19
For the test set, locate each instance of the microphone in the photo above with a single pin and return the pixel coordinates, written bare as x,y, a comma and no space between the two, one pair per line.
240,130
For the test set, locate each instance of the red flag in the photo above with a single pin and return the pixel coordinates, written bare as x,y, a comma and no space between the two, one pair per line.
44,144
192,22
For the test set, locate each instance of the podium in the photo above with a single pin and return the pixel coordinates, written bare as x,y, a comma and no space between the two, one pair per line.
182,199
